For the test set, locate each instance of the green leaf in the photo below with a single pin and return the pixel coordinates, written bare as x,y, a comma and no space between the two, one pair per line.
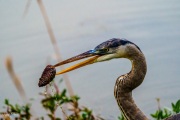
58,118
121,117
176,107
51,116
6,101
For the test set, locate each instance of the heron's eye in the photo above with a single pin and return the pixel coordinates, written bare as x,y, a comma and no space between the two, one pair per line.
104,50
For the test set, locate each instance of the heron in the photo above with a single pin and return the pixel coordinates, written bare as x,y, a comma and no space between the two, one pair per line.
113,49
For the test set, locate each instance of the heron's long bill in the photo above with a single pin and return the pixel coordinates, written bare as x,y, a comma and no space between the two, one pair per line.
78,65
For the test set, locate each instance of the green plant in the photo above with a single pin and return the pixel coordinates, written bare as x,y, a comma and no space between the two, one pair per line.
161,114
164,113
23,111
121,117
52,102
176,106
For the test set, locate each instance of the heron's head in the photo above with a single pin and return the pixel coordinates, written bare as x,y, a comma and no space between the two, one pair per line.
113,48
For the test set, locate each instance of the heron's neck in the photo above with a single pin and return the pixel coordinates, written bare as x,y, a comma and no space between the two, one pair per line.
126,83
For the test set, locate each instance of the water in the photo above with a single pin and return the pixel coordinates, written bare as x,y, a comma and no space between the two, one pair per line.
82,25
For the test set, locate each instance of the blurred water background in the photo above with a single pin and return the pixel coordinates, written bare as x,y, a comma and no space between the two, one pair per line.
81,25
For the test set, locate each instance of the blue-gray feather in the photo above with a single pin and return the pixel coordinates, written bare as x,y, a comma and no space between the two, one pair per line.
113,43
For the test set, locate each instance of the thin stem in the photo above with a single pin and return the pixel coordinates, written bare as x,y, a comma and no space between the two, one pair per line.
54,43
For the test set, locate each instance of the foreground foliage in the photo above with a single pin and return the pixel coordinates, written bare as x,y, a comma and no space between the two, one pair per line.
166,112
51,102
162,113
